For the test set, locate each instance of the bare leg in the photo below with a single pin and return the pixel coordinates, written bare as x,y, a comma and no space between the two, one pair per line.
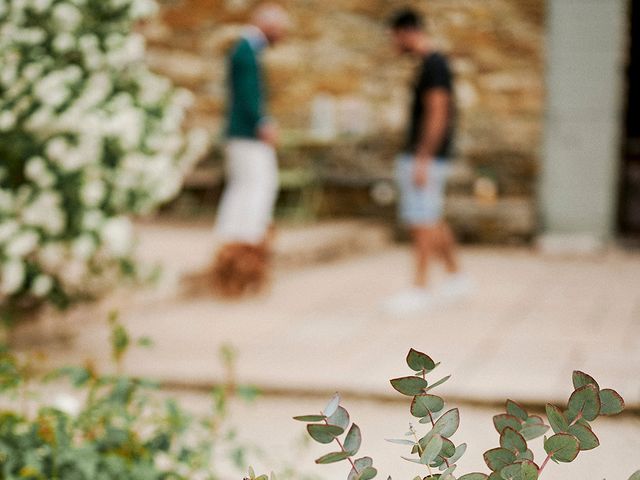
424,242
447,248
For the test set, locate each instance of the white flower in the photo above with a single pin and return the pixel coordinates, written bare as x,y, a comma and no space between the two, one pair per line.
45,212
37,171
52,256
117,235
41,286
40,5
12,278
93,193
7,120
64,42
8,229
83,247
22,244
67,16
143,8
57,148
92,220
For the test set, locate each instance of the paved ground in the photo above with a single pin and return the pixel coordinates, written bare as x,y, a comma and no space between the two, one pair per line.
531,321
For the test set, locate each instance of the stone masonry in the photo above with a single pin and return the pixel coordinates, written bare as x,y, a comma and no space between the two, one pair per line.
339,50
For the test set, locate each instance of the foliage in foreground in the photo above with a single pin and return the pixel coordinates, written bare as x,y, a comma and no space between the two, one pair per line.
121,430
567,431
88,137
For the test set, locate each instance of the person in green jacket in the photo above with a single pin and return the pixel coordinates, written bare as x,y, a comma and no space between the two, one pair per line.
246,209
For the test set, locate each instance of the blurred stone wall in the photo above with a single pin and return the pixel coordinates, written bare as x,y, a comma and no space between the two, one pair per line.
341,48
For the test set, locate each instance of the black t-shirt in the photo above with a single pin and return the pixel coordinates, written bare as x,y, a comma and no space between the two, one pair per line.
433,73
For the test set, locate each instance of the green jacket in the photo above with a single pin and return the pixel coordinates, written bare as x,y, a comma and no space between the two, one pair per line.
246,109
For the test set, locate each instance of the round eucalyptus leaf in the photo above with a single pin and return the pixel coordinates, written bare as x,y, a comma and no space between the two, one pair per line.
505,420
324,433
353,440
340,418
512,440
562,447
588,440
498,458
611,402
419,361
517,410
584,403
423,405
580,379
448,423
410,386
557,420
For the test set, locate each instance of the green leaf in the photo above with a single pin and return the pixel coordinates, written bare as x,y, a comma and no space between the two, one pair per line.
353,440
528,455
611,402
310,418
588,440
580,379
531,432
340,418
419,361
534,420
448,423
557,420
332,458
635,476
460,451
512,440
525,470
584,403
438,383
401,441
362,464
324,433
474,476
431,450
563,447
515,409
498,458
422,405
448,449
409,386
332,406
367,474
505,420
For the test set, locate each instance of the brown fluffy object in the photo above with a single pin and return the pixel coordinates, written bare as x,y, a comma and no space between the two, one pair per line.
239,269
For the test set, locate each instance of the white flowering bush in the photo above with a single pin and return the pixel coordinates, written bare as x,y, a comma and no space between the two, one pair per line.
88,137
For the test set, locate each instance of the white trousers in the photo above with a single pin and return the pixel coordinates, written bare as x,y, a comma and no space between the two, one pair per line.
248,201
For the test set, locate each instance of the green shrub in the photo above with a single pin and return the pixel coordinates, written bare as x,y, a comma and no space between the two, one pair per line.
121,430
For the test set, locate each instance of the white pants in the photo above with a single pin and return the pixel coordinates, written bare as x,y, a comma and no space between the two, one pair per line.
248,201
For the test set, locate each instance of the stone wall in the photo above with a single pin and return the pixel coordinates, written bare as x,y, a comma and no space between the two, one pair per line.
340,48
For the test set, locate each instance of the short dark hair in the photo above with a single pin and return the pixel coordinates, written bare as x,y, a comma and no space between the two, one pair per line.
406,19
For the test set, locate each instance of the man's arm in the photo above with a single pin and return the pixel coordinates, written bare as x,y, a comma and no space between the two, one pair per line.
436,103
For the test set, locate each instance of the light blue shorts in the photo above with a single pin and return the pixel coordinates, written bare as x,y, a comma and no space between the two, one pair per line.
421,206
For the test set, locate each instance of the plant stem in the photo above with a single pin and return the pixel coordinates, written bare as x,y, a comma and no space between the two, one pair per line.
353,465
544,464
420,451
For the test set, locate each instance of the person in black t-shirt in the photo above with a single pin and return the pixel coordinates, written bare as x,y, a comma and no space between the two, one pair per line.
423,167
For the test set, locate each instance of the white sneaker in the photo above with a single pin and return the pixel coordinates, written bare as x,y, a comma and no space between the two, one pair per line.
408,302
456,288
